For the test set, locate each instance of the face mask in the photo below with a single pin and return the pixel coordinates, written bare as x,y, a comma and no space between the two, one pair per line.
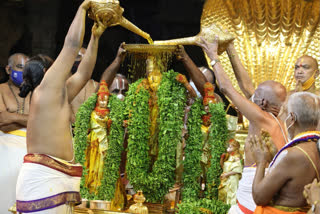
285,123
309,82
120,97
16,77
195,88
75,67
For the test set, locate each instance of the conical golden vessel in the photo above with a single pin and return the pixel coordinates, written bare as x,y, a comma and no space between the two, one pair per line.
208,30
110,13
270,35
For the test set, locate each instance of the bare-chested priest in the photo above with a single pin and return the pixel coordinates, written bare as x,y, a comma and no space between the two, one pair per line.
49,181
297,164
262,114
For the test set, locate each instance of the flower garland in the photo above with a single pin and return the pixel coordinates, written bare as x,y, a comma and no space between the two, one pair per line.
171,100
193,151
113,155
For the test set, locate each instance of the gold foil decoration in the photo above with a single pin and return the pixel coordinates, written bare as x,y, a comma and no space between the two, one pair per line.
208,30
270,35
110,13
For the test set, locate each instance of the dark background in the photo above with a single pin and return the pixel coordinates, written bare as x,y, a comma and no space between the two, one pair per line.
40,26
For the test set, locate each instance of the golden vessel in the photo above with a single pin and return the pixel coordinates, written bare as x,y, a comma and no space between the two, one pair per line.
138,207
208,32
137,55
270,35
110,13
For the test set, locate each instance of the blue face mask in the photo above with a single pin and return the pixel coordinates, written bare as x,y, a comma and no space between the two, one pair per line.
17,77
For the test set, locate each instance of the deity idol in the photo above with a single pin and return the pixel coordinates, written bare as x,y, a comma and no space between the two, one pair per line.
97,139
232,169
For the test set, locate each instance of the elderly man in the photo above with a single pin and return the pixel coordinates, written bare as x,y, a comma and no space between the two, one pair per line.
13,109
49,181
13,122
295,165
262,114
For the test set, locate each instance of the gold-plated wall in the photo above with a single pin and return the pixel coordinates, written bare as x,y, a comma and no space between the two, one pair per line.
270,35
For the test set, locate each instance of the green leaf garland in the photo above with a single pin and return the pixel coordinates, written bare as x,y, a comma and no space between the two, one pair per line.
197,207
193,151
217,138
82,126
171,101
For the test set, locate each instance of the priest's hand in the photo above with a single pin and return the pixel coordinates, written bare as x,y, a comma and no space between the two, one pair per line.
86,5
259,150
211,49
98,27
181,54
121,52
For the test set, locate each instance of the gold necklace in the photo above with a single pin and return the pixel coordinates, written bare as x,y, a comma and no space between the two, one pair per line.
18,103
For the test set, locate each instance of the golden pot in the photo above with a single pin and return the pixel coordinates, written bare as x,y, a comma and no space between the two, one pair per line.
99,204
84,203
110,13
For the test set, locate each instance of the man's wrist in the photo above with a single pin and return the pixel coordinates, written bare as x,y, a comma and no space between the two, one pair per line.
262,163
214,62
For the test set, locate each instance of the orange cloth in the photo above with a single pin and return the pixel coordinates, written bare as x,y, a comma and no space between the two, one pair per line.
272,210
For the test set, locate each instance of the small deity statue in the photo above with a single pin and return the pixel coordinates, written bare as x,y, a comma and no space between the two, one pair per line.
232,169
97,139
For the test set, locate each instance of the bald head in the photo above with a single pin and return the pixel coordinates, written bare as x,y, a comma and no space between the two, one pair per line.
16,59
209,75
270,94
313,61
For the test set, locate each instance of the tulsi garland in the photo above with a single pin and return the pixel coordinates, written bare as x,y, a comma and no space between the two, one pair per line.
171,100
218,137
82,126
193,151
204,206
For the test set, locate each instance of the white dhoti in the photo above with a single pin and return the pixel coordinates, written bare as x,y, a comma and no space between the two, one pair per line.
47,185
245,203
12,150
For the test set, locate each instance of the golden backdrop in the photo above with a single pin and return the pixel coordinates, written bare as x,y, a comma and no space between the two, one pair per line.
270,35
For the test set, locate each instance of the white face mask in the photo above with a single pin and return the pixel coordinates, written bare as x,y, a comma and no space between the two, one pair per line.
120,97
285,123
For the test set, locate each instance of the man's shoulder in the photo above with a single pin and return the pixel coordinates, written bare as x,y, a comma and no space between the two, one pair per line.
4,87
294,154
